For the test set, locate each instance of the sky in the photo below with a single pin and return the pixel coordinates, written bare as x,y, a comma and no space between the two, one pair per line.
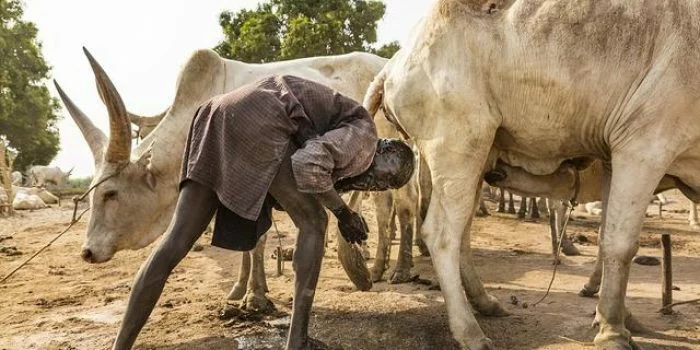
142,44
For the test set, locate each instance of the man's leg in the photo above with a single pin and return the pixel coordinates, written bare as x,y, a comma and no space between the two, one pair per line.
310,217
195,208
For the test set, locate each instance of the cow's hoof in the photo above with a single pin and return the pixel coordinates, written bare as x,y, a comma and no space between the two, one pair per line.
481,344
377,274
511,210
556,261
492,307
258,303
422,247
570,250
402,276
237,292
588,292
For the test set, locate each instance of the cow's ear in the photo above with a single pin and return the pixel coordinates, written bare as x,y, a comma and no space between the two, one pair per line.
144,162
150,179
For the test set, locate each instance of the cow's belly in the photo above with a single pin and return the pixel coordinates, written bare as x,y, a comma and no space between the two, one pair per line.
686,167
538,150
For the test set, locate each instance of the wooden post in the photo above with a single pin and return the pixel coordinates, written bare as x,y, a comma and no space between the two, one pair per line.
6,175
667,285
279,261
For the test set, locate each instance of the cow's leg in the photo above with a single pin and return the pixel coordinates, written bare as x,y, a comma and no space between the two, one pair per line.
511,204
479,298
501,201
555,211
456,178
195,208
384,208
310,217
542,203
534,210
255,298
693,215
592,287
241,285
567,247
402,272
483,210
425,188
523,208
634,178
392,227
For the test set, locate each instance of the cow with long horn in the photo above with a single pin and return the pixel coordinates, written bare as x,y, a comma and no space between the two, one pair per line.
149,204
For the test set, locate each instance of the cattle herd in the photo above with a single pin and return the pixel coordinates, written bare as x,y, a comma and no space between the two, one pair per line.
29,189
565,101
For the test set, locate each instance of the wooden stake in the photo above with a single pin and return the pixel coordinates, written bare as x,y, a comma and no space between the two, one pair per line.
667,285
279,261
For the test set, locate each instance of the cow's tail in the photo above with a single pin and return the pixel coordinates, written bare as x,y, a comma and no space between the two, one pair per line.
375,93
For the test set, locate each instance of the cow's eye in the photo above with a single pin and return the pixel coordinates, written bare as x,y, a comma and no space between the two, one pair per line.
110,195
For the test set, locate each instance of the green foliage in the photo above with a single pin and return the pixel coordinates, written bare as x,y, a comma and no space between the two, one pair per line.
27,110
80,182
74,187
387,50
287,29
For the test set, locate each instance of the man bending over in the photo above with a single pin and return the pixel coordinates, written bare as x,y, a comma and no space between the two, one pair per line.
281,140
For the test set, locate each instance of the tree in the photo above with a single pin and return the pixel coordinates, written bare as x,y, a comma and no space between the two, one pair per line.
288,29
28,113
387,50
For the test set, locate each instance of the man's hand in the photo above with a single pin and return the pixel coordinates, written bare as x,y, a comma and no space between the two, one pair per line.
351,225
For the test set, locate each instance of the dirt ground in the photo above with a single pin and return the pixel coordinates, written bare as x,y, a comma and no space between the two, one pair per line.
60,302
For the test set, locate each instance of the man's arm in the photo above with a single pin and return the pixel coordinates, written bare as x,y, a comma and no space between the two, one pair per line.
351,224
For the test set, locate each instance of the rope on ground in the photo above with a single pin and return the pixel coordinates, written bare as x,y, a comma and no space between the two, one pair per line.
669,306
73,221
570,206
582,343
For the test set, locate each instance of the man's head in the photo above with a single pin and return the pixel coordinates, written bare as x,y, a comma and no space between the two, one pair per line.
391,167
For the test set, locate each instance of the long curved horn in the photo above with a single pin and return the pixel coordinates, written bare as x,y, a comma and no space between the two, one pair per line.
141,120
119,147
147,124
96,139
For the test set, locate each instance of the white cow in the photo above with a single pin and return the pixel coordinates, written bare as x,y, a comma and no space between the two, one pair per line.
43,194
24,201
16,178
534,84
40,175
564,185
147,177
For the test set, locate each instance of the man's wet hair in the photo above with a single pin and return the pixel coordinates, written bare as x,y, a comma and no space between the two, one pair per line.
406,157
